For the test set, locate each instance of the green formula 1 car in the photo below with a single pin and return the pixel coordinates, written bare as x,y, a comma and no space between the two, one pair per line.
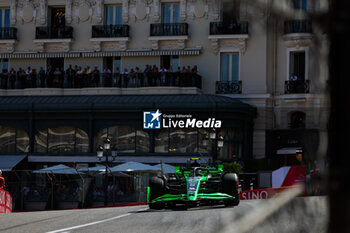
193,185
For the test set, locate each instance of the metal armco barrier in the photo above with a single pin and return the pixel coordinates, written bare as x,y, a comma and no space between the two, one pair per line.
5,202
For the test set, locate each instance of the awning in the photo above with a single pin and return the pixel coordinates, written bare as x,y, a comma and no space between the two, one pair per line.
8,162
288,150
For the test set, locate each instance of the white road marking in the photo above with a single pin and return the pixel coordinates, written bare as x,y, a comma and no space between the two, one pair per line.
96,222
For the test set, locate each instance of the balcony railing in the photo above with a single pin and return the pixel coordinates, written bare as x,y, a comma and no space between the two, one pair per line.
84,80
297,26
54,33
120,30
294,87
8,33
169,29
228,87
220,28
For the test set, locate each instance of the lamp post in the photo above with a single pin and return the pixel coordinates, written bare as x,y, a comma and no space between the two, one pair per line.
217,143
100,152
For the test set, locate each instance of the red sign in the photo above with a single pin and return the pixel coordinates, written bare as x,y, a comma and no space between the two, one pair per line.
259,193
5,202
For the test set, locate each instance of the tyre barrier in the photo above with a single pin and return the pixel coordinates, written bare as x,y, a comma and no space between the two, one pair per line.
5,202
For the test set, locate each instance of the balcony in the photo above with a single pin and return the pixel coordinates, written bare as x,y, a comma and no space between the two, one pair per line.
163,36
297,26
296,87
54,33
51,39
8,33
107,31
227,36
169,29
229,87
8,38
112,37
219,28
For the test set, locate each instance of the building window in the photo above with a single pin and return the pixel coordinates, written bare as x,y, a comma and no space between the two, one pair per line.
230,11
171,13
297,65
229,66
4,64
168,61
183,140
13,140
232,149
300,5
297,120
124,139
61,139
4,18
114,14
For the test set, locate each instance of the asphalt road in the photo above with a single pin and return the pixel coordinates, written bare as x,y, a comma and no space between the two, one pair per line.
307,214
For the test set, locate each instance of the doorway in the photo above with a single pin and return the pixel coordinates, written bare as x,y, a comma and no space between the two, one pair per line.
56,14
55,63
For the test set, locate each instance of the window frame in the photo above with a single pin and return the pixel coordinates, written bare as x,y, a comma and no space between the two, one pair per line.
288,54
171,11
114,20
230,65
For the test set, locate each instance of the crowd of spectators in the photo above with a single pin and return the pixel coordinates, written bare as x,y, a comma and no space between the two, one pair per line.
78,77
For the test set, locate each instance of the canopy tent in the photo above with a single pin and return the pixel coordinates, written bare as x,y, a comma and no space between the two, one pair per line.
58,169
166,168
8,162
133,167
288,150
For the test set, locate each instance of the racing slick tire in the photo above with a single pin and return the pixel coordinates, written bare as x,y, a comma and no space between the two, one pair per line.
230,187
157,189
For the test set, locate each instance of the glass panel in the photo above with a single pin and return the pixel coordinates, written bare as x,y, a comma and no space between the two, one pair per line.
7,18
7,139
235,67
110,14
5,64
296,4
175,62
82,141
1,21
176,13
183,140
117,63
40,144
100,137
166,13
202,148
61,139
118,18
142,141
304,5
126,139
162,141
113,135
22,144
225,67
230,150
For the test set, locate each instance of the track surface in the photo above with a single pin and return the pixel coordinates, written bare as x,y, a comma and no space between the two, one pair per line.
307,214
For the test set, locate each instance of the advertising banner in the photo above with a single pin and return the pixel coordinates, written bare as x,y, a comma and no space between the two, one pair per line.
260,193
5,202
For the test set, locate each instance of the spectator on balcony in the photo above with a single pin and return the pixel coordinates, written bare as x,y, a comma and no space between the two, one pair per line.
42,76
33,77
12,78
132,76
163,72
21,78
139,76
60,23
95,77
79,77
4,79
155,75
125,79
148,75
88,76
116,77
293,77
49,76
170,75
61,80
57,76
70,72
107,77
28,82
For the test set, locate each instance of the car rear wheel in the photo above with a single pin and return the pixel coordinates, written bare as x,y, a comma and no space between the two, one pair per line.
157,189
230,187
